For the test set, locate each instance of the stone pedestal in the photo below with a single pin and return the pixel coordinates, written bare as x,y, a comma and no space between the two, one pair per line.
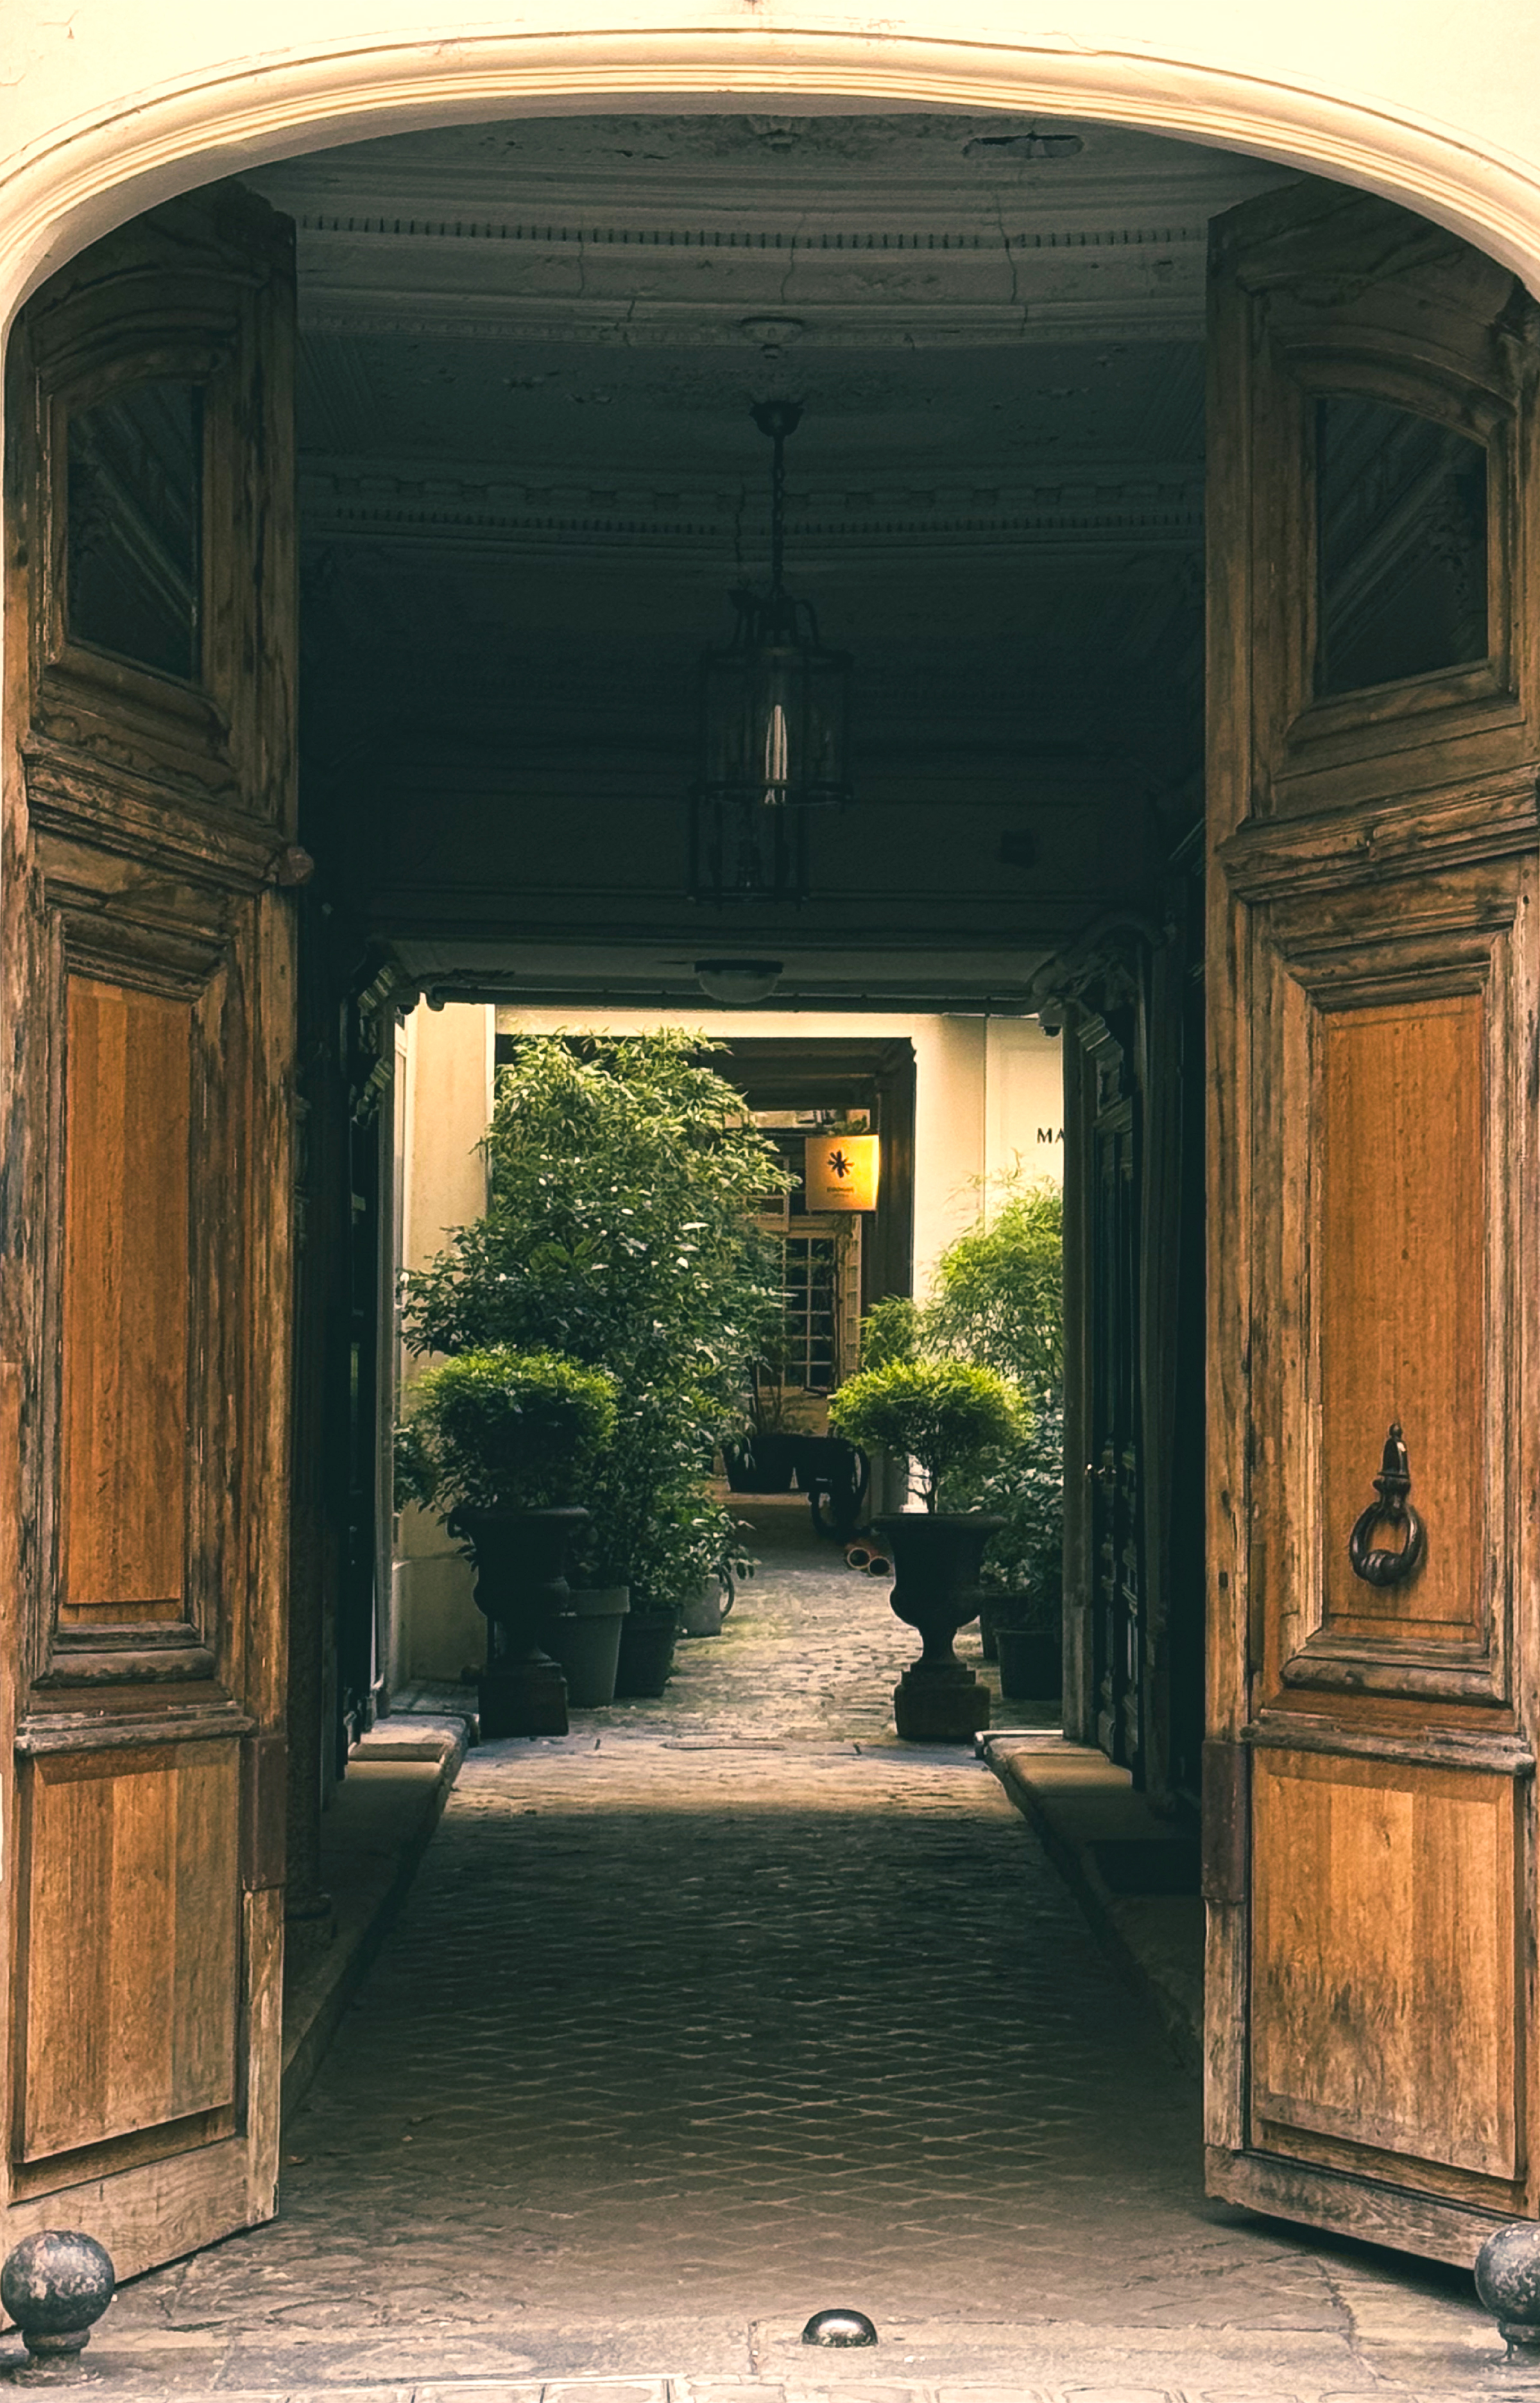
524,1697
936,1557
521,1587
940,1706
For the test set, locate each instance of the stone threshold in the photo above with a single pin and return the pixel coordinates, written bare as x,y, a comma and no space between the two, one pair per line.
372,1838
839,2386
1094,1828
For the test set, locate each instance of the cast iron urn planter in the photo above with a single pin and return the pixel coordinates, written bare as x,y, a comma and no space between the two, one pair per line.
936,1556
521,1587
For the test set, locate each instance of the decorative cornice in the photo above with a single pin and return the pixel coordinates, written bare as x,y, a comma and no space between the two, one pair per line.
541,274
544,234
632,324
1161,510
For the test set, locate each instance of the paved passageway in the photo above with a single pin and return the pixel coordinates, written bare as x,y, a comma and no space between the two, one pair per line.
729,2007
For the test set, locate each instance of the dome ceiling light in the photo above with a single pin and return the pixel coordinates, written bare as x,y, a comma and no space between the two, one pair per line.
774,717
737,984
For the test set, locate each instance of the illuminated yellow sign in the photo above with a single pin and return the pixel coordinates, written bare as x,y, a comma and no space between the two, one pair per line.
840,1172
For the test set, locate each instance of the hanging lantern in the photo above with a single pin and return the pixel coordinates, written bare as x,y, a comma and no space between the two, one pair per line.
774,709
840,1172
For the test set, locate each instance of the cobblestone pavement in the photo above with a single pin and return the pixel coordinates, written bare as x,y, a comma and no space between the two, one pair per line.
729,2007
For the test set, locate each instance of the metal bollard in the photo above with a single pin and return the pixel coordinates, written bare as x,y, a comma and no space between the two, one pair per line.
1508,2280
839,2326
56,2286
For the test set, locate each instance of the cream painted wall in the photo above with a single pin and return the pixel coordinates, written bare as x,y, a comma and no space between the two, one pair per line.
1023,1099
450,1060
446,1062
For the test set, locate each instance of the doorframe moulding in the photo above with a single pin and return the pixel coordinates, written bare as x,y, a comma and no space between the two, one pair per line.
74,182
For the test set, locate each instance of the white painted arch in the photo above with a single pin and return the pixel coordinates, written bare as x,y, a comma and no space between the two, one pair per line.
107,109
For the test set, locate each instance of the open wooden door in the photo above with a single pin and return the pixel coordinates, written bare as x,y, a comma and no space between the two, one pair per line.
1371,1777
145,1248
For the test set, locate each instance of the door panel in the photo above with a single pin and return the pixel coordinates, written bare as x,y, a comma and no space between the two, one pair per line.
1383,1891
1372,981
144,1276
124,1317
124,2038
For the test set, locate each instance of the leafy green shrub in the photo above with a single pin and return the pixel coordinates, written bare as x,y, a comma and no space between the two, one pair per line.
892,1329
1000,1290
1026,1488
503,1430
999,1302
618,1232
948,1416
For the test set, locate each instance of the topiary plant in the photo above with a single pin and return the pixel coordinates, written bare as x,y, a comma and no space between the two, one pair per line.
947,1415
503,1430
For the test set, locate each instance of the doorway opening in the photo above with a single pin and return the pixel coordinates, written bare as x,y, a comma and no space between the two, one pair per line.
502,616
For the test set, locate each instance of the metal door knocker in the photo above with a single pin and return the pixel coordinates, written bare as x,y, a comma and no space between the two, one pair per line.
1392,1485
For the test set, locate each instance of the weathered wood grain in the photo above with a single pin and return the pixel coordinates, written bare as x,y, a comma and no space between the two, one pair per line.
123,1514
130,1874
146,1299
1383,1917
1372,972
1401,1315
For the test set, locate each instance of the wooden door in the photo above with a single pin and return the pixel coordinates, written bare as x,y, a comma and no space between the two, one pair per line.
1105,1042
145,1248
1372,957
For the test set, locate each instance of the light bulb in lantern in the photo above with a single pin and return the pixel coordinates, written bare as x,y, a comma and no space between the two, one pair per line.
777,758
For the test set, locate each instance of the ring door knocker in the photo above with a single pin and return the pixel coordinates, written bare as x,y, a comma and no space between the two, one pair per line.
1392,1485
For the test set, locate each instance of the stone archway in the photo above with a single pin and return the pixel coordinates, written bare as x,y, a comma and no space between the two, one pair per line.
100,146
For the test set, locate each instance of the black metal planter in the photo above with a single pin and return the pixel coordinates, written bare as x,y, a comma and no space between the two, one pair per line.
647,1656
937,1557
521,1587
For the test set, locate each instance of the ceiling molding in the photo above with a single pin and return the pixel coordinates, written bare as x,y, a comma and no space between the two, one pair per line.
1175,314
322,231
1140,509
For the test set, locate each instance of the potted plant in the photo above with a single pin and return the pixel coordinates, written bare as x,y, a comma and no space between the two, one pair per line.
948,1417
1029,1636
727,1565
499,1443
999,1301
762,1459
690,1542
619,1232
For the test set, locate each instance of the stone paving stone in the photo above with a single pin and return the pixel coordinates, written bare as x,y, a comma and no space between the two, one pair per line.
728,2007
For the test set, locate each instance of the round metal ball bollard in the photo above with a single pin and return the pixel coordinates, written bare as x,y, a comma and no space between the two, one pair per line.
840,2327
56,2286
1508,2279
